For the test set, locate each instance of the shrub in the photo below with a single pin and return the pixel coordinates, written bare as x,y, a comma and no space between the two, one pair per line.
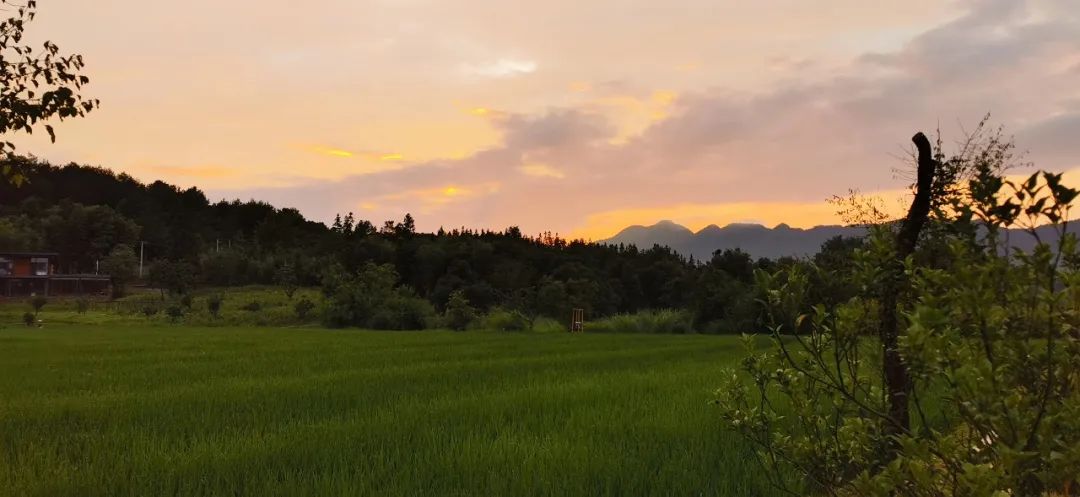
82,304
458,312
150,310
253,306
226,267
286,277
38,302
186,301
416,313
213,305
29,319
548,325
303,308
504,320
404,312
174,312
176,277
371,299
353,299
383,320
962,382
120,265
664,321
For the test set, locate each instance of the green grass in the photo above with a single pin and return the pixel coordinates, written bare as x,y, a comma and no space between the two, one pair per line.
110,410
275,309
649,321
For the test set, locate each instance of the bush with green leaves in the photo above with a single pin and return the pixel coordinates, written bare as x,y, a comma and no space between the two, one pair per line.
37,303
150,310
122,266
404,311
175,312
459,314
29,319
213,305
287,279
174,277
186,300
82,304
303,308
667,321
500,319
371,298
36,85
253,306
989,344
547,325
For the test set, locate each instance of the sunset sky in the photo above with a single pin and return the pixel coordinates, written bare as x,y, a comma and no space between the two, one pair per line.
573,116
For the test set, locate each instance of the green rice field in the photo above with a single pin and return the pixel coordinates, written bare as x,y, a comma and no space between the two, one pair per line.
174,410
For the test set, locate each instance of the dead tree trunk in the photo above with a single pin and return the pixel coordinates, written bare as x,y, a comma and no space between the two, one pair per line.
897,380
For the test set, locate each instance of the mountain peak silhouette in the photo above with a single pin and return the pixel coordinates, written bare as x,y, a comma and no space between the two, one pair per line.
753,238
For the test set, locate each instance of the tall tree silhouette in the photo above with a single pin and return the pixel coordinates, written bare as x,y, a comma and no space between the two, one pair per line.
35,85
897,379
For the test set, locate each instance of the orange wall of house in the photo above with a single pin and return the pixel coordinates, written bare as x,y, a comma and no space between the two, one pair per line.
21,267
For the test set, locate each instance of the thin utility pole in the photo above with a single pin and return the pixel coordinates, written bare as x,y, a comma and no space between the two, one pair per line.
142,251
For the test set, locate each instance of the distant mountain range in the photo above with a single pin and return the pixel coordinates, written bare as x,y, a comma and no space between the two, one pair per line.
760,241
755,239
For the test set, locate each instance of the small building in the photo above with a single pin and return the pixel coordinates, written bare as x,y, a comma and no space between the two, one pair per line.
24,274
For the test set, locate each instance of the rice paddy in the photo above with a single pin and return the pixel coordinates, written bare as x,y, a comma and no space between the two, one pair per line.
174,410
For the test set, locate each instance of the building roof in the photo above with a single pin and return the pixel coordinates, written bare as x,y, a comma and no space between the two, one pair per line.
80,277
56,277
29,254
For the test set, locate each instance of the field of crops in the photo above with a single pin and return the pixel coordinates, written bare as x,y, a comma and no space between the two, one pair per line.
161,411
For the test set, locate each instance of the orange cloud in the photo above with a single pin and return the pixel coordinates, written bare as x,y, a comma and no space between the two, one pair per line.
633,114
541,171
329,151
346,154
479,110
580,87
664,97
430,198
688,67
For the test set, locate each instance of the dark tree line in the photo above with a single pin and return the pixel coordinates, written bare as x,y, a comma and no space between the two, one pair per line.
84,212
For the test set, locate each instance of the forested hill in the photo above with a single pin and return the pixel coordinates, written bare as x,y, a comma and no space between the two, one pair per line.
86,213
78,208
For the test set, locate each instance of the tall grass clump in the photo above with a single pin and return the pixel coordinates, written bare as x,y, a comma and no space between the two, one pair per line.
663,321
548,325
215,307
499,319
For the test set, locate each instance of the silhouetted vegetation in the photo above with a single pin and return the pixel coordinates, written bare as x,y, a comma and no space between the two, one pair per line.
213,305
35,85
38,303
942,362
90,214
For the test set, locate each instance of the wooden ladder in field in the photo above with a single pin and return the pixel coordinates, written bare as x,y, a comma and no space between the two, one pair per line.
577,321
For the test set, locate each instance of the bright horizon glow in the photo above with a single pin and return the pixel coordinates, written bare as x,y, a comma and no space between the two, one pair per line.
557,115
